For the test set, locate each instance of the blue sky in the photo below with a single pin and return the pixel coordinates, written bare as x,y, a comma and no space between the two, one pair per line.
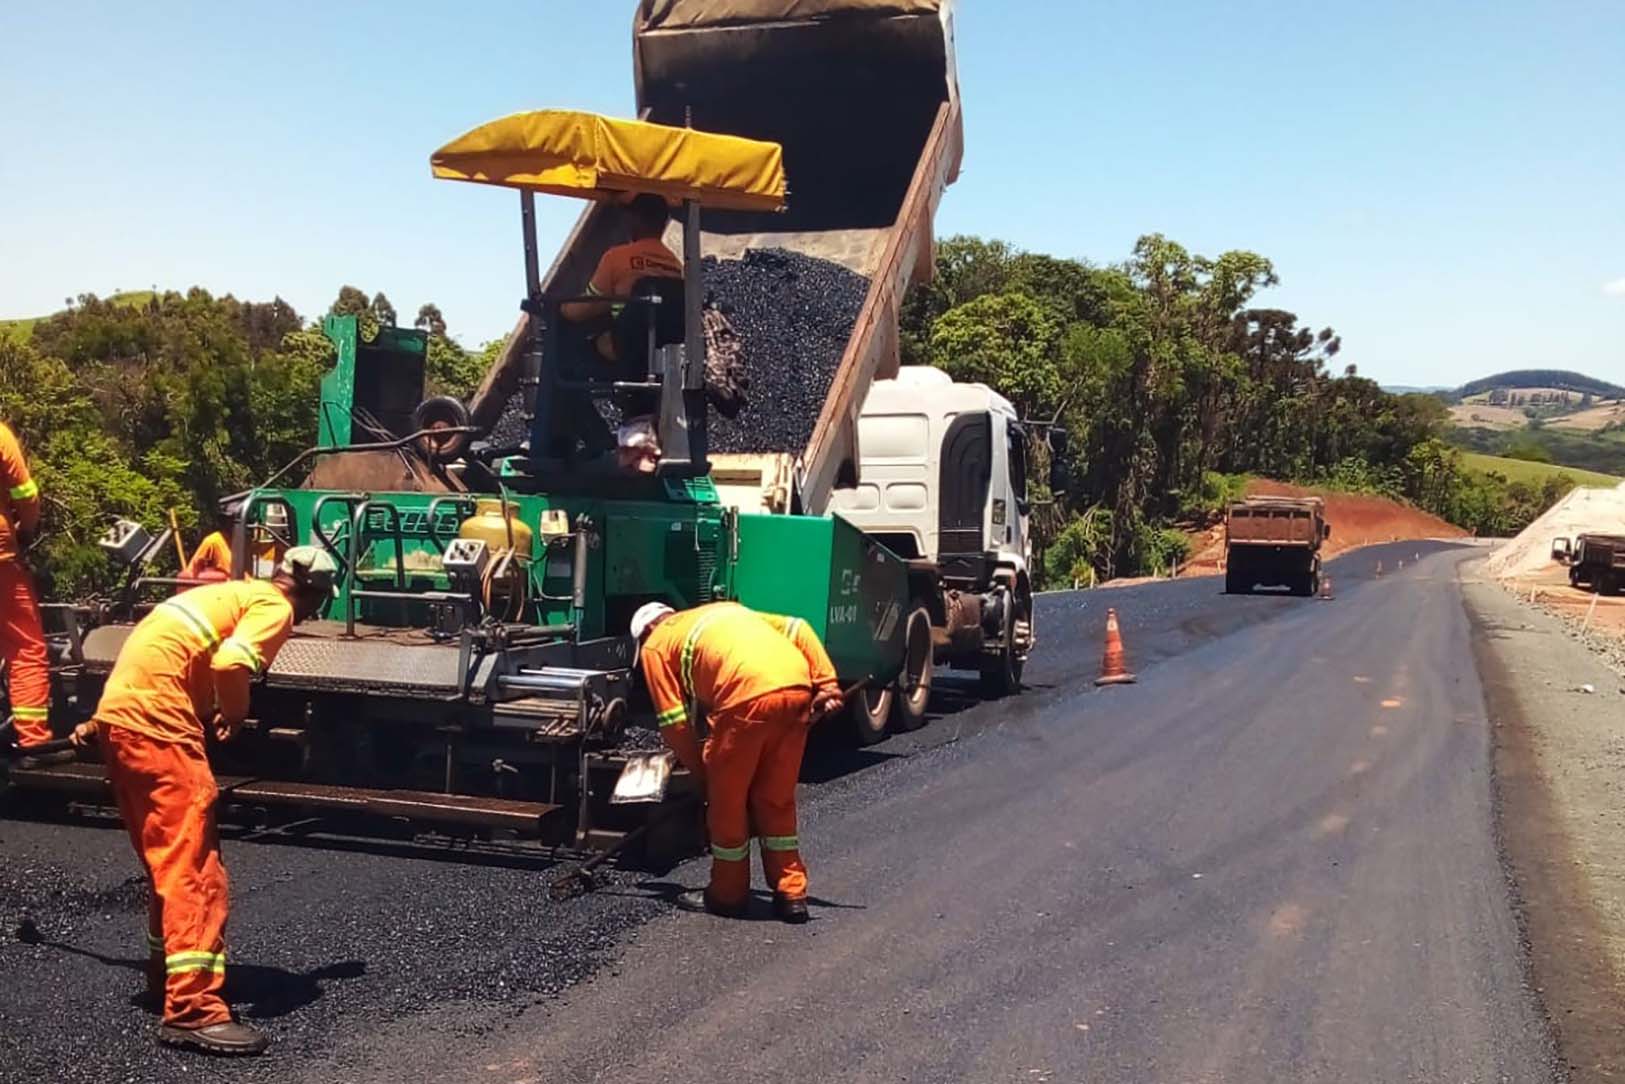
1443,182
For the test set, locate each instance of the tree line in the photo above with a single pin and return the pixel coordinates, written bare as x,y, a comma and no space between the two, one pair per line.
1172,384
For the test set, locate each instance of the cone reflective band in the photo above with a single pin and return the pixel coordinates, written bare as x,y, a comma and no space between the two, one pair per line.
1113,667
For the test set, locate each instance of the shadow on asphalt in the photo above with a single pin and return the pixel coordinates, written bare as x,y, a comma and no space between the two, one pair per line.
760,908
266,992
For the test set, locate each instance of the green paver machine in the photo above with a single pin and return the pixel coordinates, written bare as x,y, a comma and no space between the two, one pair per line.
475,669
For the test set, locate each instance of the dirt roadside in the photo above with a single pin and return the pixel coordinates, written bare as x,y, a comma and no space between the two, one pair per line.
1559,772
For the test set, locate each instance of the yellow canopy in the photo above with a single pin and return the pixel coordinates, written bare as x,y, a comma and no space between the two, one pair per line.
592,157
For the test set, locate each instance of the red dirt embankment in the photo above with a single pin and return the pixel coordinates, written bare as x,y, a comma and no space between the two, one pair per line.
1357,520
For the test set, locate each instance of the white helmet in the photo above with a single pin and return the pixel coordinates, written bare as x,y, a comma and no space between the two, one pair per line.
647,615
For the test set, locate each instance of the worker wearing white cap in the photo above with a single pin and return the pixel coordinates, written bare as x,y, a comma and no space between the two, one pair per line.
194,658
763,680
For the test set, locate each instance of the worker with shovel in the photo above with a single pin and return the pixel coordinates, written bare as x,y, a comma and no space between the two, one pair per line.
191,659
762,681
22,637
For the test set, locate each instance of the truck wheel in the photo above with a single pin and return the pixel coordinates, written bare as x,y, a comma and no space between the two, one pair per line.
913,690
1232,583
868,714
1001,675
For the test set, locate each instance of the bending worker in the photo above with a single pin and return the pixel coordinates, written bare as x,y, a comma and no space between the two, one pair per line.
762,680
211,559
189,660
22,638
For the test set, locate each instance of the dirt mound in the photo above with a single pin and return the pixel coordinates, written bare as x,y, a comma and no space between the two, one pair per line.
1600,511
1356,519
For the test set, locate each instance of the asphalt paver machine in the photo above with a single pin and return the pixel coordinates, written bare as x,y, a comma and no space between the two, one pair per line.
474,672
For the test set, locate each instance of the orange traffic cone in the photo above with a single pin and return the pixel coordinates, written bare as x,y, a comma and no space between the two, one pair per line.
1113,670
1326,587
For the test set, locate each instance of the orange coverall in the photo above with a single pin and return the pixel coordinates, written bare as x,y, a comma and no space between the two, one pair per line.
22,638
212,554
755,675
192,653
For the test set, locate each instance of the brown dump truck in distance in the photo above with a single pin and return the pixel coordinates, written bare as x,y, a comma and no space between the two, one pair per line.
1275,542
1597,561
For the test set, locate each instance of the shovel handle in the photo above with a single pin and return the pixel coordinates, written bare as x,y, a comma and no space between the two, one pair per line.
58,746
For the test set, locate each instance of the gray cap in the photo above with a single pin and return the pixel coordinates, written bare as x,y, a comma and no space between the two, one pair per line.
311,568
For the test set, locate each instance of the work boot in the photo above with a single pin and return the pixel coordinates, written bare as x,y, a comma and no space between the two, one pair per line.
29,762
790,909
229,1039
700,899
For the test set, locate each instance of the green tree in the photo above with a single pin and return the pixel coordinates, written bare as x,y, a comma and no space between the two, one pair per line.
1009,341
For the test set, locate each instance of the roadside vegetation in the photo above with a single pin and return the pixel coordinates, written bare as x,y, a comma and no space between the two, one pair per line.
1174,388
141,404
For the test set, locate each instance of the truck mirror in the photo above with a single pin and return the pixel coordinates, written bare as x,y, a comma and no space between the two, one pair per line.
1059,439
1326,530
1562,550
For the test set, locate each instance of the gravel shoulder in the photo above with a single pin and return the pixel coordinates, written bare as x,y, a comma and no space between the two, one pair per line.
1560,789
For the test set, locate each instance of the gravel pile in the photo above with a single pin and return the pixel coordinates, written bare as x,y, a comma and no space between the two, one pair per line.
794,315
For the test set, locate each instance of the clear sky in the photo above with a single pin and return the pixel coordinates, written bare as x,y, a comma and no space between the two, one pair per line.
1443,182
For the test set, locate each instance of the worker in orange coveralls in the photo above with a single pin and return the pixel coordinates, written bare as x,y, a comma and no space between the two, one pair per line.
22,639
762,680
211,559
192,659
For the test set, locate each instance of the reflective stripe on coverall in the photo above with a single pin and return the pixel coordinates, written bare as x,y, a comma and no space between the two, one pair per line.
22,638
189,653
755,674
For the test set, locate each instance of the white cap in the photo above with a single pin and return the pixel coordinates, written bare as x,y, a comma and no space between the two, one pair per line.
647,615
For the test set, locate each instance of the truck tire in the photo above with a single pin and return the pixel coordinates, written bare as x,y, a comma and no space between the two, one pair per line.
913,692
1001,674
1233,584
869,714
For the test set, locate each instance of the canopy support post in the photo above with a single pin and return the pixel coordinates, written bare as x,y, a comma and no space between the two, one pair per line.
537,383
694,341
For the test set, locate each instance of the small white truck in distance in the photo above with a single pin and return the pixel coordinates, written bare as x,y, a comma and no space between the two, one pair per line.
943,484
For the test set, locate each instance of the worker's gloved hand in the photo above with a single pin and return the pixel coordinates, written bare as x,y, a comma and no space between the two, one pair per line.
224,729
84,733
827,701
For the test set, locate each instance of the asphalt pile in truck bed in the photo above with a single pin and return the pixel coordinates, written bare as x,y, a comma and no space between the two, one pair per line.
793,315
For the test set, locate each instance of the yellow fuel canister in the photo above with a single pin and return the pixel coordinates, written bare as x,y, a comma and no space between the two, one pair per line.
490,526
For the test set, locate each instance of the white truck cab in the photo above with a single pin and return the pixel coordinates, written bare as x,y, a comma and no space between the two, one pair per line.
942,483
943,473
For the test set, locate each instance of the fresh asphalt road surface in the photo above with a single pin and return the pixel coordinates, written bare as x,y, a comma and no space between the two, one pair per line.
1272,859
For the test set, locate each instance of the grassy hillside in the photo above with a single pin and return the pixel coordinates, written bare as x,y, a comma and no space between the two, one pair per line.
1522,470
1601,453
22,327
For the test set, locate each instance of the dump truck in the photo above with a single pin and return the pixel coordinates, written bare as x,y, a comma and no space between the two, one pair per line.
474,673
830,78
1275,542
1597,561
863,97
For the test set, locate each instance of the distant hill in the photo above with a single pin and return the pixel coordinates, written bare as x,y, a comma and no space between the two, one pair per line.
1407,389
1560,379
22,327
